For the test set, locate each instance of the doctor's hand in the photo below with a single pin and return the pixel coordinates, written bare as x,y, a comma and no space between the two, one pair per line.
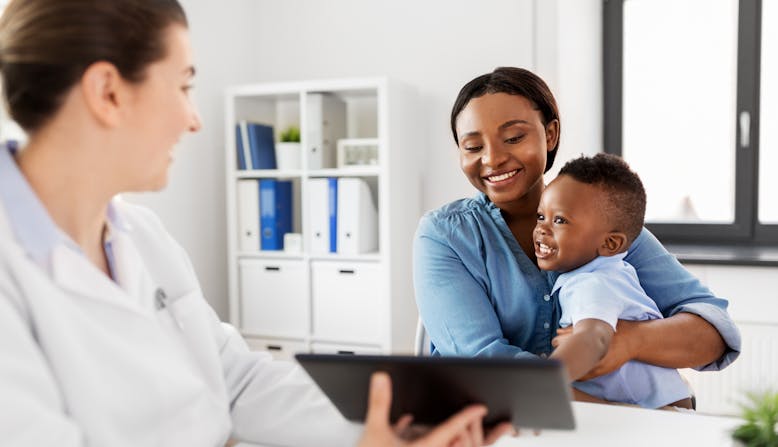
461,430
620,350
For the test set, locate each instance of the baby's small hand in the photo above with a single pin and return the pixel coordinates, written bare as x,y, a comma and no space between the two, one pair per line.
561,335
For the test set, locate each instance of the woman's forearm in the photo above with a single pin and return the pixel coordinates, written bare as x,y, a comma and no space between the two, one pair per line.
684,340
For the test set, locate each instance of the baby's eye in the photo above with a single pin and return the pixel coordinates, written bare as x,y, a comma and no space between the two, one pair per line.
541,217
560,220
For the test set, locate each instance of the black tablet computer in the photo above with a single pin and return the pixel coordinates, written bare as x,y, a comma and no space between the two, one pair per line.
531,393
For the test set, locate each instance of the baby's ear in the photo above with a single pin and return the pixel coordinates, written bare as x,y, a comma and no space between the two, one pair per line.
615,242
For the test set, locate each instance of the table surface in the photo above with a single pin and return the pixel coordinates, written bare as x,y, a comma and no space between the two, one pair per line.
612,425
618,426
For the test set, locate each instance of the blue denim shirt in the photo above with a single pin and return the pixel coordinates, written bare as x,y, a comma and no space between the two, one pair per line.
479,294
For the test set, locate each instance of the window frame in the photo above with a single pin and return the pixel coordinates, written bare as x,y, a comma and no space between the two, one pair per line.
746,228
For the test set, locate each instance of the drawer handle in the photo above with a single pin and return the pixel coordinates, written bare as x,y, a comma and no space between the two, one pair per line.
347,271
346,352
273,348
271,268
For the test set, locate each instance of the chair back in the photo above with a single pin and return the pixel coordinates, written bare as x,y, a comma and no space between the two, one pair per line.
421,346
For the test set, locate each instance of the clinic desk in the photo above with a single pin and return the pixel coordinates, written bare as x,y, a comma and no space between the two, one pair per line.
619,426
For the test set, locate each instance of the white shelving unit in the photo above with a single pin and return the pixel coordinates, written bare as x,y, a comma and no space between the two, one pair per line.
329,302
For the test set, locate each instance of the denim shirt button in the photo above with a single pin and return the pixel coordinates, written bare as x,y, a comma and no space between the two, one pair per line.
546,297
546,325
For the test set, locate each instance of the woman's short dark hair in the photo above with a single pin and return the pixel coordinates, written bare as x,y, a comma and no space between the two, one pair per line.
513,81
47,45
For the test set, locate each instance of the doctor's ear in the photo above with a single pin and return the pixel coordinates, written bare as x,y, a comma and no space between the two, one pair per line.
614,243
103,90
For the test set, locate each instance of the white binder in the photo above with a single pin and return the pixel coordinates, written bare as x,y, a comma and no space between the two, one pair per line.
248,215
326,123
244,138
318,215
357,217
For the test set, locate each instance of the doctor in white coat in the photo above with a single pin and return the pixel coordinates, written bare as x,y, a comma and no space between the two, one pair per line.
105,337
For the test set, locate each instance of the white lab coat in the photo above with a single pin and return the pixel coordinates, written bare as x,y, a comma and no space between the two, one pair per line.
85,362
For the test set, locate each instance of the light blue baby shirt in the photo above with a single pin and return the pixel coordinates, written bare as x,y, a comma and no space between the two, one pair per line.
479,294
607,289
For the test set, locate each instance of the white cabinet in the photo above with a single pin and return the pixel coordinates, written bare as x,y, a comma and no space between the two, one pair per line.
349,303
273,297
356,297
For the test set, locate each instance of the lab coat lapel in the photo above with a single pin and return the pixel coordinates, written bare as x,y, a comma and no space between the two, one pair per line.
74,273
131,272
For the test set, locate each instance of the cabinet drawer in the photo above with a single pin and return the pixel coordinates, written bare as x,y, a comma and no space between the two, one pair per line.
274,297
349,302
279,349
334,348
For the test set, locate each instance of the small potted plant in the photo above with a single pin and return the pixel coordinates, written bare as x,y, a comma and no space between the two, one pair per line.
288,150
761,417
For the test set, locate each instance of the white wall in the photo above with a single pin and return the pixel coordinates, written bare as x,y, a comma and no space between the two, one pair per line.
568,49
434,45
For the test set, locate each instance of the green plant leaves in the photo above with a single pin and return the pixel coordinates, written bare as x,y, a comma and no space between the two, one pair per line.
761,416
290,135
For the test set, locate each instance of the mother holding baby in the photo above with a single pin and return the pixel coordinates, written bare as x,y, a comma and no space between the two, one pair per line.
478,286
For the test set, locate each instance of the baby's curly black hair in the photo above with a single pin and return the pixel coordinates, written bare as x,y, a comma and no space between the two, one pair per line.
625,198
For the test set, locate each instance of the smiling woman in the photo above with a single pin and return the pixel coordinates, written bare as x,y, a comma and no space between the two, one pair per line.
478,286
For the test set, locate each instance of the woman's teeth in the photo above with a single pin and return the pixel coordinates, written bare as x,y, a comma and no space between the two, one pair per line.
501,177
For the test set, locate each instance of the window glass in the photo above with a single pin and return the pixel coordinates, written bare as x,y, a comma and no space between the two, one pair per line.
679,99
768,118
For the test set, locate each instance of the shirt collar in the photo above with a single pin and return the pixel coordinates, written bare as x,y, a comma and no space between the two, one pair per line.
30,222
589,267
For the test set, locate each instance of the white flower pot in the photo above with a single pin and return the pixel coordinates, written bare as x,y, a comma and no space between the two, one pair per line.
288,155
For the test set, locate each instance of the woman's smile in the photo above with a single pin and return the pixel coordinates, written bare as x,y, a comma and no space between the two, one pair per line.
500,177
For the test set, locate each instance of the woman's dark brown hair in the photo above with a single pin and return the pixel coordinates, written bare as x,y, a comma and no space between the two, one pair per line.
513,81
46,45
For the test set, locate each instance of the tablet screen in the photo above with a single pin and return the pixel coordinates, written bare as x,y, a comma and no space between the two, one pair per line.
530,393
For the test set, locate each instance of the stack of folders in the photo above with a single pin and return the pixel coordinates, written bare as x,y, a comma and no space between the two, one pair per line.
255,146
342,216
326,124
264,213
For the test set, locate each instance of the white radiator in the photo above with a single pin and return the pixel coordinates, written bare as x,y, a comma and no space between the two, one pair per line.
755,370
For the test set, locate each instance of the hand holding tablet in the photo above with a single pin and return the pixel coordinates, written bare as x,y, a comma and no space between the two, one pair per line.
463,428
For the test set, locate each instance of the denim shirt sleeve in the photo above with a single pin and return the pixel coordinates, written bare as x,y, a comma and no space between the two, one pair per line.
453,303
676,290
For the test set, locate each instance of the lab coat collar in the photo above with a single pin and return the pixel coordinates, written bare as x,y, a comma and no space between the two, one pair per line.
28,219
28,222
73,272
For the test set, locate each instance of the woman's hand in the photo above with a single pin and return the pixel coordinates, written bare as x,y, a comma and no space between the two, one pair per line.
620,350
461,430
